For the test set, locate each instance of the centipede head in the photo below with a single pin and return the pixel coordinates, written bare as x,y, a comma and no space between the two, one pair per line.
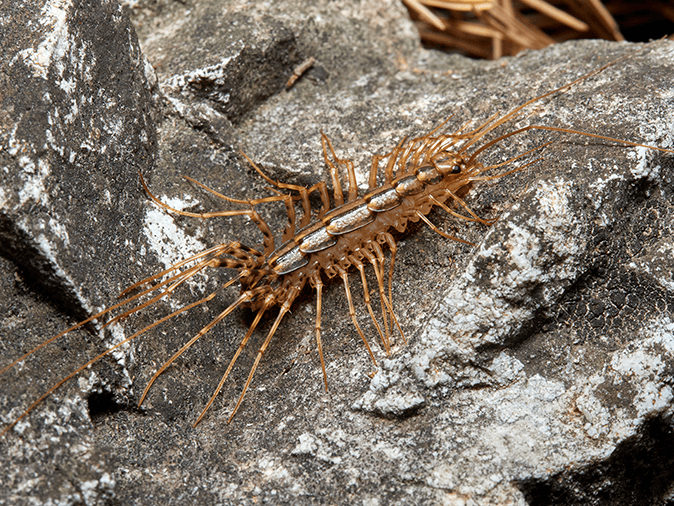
449,164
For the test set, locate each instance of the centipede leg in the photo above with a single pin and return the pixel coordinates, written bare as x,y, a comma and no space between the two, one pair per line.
292,294
268,240
380,255
351,173
318,284
243,298
353,185
440,232
242,345
388,170
366,295
394,249
304,197
100,356
352,311
337,192
374,261
474,217
325,198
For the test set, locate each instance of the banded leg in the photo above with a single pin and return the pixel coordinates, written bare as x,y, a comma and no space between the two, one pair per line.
304,196
388,238
317,283
440,232
98,357
353,185
388,171
287,199
366,295
325,199
174,281
290,297
474,217
337,193
352,311
380,256
415,150
374,261
242,345
246,296
268,240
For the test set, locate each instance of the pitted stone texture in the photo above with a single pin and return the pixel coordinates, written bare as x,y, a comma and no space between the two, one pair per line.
539,361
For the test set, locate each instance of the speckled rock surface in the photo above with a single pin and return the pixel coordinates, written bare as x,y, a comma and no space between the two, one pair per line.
539,365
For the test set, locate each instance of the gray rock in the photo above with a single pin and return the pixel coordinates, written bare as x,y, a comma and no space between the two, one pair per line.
539,362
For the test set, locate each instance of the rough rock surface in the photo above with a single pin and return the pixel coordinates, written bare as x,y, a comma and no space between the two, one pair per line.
539,365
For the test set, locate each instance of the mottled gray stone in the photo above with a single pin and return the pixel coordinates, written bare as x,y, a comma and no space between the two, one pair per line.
539,362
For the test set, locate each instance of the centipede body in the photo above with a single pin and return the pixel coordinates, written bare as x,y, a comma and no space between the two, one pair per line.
267,253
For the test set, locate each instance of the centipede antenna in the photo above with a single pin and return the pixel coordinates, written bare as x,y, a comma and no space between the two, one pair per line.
508,116
471,160
512,171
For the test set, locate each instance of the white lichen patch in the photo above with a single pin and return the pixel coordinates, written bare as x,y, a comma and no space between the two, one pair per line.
307,445
641,166
646,367
124,351
169,243
598,190
34,177
597,416
555,218
392,403
216,74
54,45
48,249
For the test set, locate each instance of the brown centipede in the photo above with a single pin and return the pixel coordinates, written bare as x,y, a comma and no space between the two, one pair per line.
350,233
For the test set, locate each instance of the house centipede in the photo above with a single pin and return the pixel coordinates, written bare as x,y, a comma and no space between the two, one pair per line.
434,170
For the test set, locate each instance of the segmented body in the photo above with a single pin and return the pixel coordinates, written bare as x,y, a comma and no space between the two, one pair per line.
429,171
419,174
348,232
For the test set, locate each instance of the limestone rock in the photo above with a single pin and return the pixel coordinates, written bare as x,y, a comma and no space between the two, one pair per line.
539,363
